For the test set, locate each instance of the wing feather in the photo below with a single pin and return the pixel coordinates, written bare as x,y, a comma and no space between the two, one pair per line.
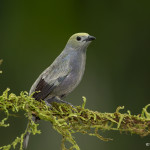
50,79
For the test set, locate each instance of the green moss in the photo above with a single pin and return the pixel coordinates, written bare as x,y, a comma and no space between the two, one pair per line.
67,121
0,64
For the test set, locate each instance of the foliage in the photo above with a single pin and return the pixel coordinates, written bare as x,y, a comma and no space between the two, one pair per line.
67,120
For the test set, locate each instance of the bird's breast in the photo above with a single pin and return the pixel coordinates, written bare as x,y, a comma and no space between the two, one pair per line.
77,67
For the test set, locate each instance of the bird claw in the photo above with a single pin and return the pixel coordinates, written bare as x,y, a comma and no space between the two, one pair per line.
57,100
48,104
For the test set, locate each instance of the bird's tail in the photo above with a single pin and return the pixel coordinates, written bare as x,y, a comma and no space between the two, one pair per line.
27,135
26,140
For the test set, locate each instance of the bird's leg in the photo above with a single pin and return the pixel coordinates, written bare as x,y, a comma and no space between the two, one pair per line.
48,104
57,100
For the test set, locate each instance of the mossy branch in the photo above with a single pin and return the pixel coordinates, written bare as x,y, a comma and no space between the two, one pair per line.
66,120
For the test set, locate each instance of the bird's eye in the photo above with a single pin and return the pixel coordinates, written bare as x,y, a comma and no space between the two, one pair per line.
78,38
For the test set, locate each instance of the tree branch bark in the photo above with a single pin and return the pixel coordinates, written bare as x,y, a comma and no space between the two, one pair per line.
67,120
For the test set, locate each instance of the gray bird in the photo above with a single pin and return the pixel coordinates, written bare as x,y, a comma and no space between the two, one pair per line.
63,75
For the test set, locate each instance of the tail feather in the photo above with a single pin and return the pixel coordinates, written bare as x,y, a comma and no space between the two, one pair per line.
35,119
26,140
27,135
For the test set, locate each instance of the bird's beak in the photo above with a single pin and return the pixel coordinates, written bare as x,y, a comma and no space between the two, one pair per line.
90,38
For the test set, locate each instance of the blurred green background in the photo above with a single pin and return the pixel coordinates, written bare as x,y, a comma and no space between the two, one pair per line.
32,35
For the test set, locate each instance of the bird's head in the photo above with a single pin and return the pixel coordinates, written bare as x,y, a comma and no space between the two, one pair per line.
80,40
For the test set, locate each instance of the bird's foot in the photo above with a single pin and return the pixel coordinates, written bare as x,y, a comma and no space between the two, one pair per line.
48,104
57,100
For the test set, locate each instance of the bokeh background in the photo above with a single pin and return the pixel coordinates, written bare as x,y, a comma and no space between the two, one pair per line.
32,35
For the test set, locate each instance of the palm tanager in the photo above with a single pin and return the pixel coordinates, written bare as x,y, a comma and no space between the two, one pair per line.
63,75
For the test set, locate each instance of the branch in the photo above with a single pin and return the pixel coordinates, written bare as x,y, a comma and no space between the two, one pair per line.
66,120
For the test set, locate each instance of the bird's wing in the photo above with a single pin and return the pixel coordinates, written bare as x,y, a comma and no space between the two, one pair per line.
50,79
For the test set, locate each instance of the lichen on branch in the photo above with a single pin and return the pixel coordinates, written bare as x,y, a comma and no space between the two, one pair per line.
67,120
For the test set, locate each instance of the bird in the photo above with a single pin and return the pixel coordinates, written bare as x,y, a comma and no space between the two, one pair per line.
63,75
